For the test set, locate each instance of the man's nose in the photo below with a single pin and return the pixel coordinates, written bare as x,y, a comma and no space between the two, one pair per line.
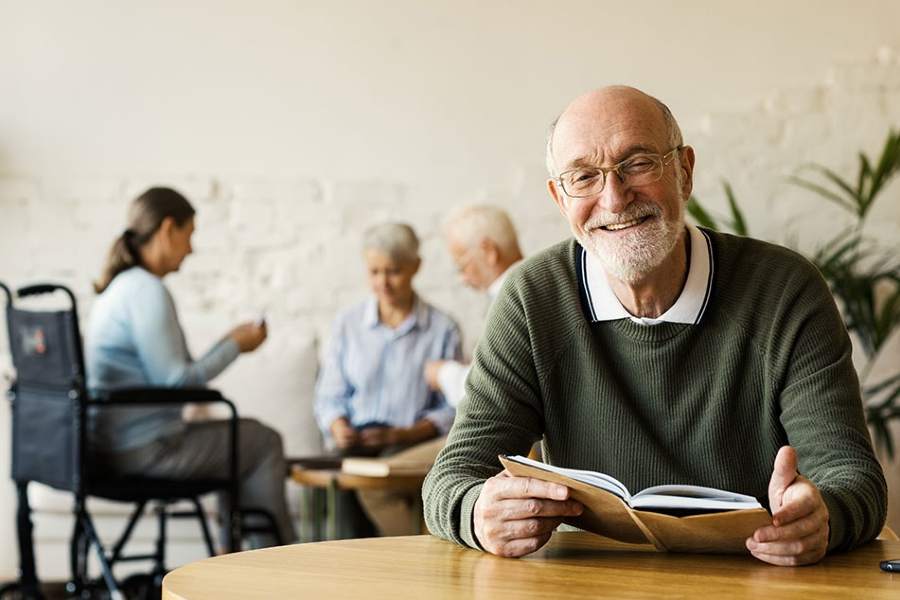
615,196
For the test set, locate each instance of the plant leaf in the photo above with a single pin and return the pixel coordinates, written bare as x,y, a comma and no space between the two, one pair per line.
852,194
738,223
824,192
879,387
703,218
888,165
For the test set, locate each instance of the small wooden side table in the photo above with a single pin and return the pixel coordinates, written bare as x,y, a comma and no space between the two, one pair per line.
327,483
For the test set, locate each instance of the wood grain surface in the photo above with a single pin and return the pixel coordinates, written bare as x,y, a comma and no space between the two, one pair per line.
573,565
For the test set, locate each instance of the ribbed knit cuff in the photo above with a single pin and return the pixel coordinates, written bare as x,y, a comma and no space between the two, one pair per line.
466,517
837,527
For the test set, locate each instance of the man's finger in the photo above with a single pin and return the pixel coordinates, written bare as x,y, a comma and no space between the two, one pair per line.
783,474
797,547
528,487
513,509
792,531
790,561
526,528
794,511
521,547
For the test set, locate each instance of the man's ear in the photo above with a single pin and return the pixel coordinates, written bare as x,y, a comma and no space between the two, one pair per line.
686,164
490,250
559,198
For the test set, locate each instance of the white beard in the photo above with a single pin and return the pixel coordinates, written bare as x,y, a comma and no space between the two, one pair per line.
632,256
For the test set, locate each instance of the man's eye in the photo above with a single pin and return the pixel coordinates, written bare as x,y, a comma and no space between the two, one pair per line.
583,176
638,165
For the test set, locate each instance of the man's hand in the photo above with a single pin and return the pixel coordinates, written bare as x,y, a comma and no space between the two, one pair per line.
799,531
515,516
345,436
432,369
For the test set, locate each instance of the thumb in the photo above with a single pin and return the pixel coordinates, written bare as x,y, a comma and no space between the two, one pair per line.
783,474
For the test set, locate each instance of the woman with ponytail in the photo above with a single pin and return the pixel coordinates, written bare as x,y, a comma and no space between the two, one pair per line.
135,340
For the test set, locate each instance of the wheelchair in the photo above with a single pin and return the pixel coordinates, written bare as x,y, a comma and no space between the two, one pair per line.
50,411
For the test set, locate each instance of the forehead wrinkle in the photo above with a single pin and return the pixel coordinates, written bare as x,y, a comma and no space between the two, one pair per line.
608,123
617,157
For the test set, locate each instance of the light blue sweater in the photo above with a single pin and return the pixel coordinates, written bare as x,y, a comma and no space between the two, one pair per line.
134,339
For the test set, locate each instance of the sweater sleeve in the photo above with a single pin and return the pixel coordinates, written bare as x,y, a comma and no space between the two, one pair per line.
161,347
500,414
822,415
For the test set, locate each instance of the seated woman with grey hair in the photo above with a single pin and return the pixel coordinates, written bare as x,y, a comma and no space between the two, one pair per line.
371,398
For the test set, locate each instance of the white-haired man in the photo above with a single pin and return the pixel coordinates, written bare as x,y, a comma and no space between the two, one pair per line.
659,353
483,243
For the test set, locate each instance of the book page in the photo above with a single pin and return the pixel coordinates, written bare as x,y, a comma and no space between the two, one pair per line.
599,480
691,497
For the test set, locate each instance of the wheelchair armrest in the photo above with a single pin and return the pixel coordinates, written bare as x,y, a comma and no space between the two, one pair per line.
142,396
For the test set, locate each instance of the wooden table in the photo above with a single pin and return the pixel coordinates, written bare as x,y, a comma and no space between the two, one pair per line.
332,480
573,565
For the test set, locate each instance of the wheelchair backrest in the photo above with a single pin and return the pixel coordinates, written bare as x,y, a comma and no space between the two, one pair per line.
48,391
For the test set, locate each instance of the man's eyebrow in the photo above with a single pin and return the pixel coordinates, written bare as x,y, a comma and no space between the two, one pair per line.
587,161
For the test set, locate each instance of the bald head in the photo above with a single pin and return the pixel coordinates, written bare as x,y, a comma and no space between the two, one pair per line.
607,111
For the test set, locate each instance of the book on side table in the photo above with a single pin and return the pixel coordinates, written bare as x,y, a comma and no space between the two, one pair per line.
679,518
383,467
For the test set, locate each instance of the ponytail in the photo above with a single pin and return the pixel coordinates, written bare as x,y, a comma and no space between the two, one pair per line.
145,216
121,257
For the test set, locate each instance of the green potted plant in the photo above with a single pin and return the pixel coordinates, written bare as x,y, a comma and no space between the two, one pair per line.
863,276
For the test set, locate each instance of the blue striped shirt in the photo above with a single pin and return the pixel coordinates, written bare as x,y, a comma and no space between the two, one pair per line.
373,373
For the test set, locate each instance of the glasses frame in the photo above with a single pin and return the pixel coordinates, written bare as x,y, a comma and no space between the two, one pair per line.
661,159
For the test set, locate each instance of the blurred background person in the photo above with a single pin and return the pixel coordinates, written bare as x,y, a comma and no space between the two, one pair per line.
371,398
135,340
484,246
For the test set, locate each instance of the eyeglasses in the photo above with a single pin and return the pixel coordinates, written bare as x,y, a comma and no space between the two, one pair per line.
464,260
639,169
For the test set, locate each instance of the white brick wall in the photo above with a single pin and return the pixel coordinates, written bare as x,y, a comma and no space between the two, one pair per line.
288,243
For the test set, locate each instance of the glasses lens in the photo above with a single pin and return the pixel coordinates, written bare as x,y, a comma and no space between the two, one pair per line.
642,169
582,182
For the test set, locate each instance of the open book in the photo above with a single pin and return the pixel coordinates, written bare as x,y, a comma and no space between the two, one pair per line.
677,499
717,521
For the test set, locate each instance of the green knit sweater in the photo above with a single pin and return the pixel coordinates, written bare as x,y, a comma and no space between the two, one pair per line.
707,404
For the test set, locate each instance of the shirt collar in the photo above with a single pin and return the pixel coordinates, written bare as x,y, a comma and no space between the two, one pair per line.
494,289
603,305
418,317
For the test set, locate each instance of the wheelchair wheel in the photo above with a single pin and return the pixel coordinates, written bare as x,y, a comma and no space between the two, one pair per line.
142,587
15,591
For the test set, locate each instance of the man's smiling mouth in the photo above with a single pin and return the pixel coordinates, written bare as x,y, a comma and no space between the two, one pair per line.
624,225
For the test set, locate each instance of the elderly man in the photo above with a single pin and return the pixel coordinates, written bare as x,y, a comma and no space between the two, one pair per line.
484,245
658,353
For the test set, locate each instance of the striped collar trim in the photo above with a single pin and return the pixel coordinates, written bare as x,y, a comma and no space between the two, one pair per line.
602,304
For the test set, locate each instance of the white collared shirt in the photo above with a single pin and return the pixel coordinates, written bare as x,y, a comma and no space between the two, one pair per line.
603,305
494,289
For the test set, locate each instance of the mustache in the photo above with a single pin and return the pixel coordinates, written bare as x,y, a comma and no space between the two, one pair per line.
634,211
